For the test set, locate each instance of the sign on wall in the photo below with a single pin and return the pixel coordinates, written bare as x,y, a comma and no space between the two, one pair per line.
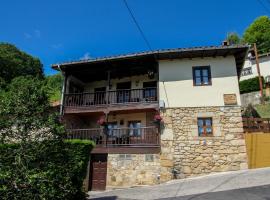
230,99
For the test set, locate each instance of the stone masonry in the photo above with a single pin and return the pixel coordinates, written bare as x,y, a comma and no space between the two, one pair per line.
184,153
125,170
194,155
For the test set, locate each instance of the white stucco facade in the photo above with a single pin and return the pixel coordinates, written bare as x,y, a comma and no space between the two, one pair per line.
250,68
176,87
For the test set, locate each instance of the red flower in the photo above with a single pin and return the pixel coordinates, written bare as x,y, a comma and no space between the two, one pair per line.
101,121
157,117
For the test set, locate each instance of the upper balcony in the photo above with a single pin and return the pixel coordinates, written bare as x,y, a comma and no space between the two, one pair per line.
124,85
113,100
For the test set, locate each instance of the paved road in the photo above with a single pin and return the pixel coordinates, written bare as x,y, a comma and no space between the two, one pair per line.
246,184
253,193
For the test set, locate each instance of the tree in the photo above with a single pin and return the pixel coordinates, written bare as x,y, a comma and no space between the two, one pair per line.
259,32
233,38
14,62
54,86
25,111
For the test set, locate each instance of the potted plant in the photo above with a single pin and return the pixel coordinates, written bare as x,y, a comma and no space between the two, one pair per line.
158,119
101,121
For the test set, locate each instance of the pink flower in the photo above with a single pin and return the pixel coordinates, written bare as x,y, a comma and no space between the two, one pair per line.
157,117
101,121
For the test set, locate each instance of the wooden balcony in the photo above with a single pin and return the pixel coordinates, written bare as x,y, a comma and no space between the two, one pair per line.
120,140
145,98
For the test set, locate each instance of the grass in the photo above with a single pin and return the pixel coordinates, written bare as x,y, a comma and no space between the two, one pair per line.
263,110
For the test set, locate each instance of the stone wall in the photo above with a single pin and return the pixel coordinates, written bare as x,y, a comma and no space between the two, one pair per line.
184,153
194,155
126,170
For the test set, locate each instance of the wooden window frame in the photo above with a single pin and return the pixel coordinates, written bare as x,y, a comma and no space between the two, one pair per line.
201,68
205,134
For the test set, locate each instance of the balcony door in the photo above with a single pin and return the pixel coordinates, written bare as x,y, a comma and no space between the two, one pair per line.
123,92
112,129
150,91
134,128
100,94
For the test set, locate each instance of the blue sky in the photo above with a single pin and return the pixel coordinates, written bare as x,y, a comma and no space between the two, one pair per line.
65,30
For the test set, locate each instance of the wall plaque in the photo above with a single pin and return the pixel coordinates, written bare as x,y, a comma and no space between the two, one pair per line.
230,99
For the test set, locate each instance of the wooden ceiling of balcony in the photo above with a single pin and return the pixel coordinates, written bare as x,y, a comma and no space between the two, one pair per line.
88,72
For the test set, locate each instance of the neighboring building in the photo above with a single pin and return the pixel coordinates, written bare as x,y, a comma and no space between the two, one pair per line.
196,92
250,67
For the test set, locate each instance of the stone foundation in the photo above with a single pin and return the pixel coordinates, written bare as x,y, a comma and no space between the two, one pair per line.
194,155
126,170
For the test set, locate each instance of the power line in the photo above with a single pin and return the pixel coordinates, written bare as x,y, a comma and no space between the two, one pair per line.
266,8
138,26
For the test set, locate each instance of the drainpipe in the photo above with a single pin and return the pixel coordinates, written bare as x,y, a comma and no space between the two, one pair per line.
63,90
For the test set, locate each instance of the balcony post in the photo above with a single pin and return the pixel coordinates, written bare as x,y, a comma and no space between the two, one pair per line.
108,86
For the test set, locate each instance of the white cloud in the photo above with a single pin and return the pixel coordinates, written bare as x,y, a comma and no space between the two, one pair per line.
86,56
33,34
56,46
27,36
37,33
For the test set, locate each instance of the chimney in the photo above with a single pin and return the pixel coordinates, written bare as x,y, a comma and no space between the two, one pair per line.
225,43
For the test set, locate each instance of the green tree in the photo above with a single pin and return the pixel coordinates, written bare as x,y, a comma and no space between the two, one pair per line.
233,38
25,111
14,62
259,32
54,86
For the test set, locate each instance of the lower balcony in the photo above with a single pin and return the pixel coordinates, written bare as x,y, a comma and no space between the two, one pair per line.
120,140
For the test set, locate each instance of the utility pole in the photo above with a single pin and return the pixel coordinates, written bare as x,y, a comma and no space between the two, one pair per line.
259,73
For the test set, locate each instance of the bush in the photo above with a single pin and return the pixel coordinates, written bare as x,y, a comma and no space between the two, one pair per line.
53,169
250,85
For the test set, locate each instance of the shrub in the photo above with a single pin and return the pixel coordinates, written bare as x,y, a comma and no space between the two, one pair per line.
53,169
250,85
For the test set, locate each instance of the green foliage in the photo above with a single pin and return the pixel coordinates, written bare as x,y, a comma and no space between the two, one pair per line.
52,169
259,32
263,110
233,38
14,62
54,86
250,111
25,105
250,85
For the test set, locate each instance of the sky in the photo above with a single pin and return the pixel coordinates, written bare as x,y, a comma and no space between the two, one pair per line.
64,30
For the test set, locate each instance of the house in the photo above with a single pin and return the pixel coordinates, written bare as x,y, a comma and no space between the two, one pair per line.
250,67
157,115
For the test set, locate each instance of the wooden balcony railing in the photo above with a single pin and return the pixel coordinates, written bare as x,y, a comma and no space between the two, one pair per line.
145,95
256,125
145,136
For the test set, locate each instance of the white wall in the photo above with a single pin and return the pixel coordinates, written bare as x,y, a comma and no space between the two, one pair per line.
176,82
136,83
264,68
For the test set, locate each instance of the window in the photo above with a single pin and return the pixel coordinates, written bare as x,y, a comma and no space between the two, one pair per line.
150,91
202,76
125,157
149,158
134,128
205,126
246,71
112,128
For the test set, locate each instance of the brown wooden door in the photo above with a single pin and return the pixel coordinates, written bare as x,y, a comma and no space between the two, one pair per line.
98,172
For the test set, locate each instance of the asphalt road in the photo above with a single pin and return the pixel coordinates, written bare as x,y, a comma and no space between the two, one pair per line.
253,193
238,185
